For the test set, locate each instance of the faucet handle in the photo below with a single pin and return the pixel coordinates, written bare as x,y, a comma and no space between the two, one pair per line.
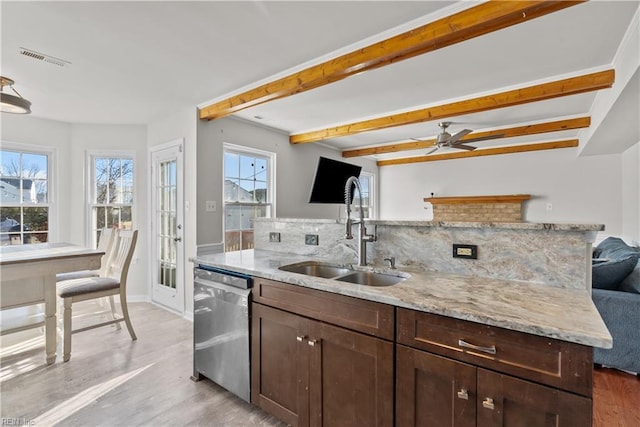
392,261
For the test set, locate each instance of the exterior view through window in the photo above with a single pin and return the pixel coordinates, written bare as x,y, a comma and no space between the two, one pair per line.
247,195
24,197
112,194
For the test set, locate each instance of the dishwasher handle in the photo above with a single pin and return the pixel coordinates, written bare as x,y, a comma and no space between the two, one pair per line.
219,276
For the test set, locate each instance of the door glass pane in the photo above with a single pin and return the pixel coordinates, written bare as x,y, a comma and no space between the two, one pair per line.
167,224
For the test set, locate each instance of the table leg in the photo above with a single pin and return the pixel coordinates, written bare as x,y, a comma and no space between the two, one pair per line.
50,323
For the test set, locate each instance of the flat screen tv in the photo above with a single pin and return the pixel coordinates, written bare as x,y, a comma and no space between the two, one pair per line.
330,179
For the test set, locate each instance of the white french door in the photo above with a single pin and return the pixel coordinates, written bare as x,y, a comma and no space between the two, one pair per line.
166,223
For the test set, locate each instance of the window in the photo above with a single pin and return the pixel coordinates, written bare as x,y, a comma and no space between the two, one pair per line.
111,193
248,193
24,196
367,185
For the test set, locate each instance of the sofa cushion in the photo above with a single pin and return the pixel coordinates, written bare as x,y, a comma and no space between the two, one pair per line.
632,282
609,274
615,248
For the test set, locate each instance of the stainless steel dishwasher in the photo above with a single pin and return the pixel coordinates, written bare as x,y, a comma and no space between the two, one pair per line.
221,328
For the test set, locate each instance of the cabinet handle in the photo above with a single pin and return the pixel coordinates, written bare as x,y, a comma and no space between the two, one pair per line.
488,403
301,338
490,350
312,343
463,394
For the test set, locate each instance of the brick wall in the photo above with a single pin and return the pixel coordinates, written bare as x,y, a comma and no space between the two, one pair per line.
478,212
478,208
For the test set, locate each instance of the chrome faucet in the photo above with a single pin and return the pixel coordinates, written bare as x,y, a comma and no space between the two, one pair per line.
363,237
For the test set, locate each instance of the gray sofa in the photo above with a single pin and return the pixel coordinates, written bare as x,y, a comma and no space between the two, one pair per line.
616,294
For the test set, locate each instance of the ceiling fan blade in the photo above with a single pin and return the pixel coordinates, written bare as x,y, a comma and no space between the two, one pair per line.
454,138
484,138
464,147
431,151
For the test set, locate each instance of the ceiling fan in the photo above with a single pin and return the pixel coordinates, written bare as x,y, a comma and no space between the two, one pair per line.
445,139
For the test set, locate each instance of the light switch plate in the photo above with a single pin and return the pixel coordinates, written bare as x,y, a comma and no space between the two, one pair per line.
311,239
274,237
210,206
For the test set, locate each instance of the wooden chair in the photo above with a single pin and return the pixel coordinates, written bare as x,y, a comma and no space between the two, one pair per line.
105,244
112,282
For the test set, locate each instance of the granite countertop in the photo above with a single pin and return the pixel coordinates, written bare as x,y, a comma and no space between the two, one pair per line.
520,225
564,314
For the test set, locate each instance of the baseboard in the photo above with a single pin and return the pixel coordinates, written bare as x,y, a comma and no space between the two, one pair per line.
138,298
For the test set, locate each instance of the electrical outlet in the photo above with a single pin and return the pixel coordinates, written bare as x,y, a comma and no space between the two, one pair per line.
274,237
210,206
465,251
311,239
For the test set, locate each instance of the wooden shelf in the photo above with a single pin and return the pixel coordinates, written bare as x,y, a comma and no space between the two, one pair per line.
509,198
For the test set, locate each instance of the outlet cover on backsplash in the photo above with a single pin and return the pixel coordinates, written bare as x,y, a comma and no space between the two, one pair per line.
274,237
311,239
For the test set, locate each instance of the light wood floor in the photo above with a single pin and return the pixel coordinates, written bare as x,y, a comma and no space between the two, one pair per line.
113,381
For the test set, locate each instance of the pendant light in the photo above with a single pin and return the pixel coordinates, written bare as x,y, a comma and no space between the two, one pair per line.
12,103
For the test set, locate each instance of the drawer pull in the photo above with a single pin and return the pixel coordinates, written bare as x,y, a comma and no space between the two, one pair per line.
312,342
463,394
301,338
488,403
490,350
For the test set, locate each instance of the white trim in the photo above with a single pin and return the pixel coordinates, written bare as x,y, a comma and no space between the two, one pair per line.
138,298
178,143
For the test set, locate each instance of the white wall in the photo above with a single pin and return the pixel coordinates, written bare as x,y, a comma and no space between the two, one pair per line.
580,189
71,142
295,168
182,125
24,129
631,194
98,137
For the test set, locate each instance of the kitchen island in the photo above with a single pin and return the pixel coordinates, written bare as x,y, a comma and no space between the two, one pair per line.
456,349
501,336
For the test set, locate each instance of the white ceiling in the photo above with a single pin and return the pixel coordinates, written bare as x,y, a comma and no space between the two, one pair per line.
136,62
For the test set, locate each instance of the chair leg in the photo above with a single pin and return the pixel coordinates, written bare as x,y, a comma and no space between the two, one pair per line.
127,319
67,330
113,312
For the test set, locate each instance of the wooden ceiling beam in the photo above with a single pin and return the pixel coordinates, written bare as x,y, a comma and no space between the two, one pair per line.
534,129
473,22
483,152
535,93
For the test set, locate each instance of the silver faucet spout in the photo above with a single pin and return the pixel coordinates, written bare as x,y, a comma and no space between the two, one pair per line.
363,237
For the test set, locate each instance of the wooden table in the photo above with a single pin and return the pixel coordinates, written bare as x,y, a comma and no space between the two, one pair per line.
28,276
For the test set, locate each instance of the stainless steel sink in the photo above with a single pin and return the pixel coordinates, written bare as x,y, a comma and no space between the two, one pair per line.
368,278
316,269
344,274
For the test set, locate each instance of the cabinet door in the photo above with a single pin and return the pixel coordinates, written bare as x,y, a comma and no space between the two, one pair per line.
433,390
279,363
511,402
351,378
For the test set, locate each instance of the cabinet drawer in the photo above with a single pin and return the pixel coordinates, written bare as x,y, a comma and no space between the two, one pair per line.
364,316
557,363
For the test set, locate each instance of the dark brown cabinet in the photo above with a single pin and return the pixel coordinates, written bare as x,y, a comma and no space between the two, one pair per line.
452,388
308,372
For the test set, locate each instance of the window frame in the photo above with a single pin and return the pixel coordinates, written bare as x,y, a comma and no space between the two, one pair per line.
241,150
52,181
90,156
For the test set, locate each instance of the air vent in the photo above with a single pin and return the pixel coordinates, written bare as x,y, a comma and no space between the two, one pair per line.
43,57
